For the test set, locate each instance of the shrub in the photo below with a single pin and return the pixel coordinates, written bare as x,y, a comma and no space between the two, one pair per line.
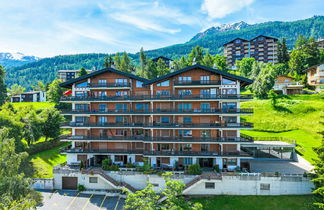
194,169
216,168
81,187
106,163
129,165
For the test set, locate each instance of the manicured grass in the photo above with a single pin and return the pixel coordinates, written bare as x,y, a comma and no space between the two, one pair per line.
296,117
224,202
36,105
41,164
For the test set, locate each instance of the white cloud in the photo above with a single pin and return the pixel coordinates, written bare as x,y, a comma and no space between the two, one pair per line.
221,8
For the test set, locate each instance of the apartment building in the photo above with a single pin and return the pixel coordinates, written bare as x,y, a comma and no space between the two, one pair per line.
185,117
315,76
320,43
31,96
261,48
65,75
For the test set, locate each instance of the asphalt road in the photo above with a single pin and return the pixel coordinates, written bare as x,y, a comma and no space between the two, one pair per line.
73,200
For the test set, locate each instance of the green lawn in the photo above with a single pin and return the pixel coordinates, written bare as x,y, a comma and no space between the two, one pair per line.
224,202
41,164
296,117
36,105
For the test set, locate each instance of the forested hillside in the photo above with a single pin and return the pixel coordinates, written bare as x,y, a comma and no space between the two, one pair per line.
46,69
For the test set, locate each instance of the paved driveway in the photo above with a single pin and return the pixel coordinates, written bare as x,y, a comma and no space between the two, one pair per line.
72,200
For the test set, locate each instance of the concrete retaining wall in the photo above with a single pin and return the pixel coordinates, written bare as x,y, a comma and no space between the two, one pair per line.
44,184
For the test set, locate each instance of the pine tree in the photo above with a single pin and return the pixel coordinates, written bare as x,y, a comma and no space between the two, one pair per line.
117,61
126,64
108,61
82,72
143,61
151,71
283,55
208,60
196,56
3,87
161,68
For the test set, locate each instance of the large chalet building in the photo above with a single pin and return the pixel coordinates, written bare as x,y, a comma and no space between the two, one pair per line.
261,48
188,116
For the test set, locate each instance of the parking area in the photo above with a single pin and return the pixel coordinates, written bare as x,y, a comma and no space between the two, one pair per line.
70,200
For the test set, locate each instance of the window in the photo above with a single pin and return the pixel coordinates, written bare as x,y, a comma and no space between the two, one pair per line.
228,82
187,119
204,92
204,147
103,132
205,107
229,91
93,179
185,133
102,107
80,93
121,107
185,147
102,93
120,119
230,119
204,79
237,53
141,107
165,119
264,186
139,84
237,41
209,185
121,81
184,92
162,92
81,119
102,120
228,105
81,107
165,83
121,93
231,161
120,132
184,80
184,107
81,85
102,81
286,80
187,161
205,133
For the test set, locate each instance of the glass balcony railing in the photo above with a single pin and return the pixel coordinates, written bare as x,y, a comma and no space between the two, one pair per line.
109,85
197,82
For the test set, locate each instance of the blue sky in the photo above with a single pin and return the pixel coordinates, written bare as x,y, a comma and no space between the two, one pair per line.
51,27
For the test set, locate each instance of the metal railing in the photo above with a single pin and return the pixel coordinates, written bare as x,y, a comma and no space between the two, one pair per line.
154,138
160,125
291,141
109,85
156,111
157,97
198,82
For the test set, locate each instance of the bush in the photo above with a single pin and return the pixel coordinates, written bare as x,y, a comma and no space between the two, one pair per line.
81,187
106,163
129,165
194,169
216,168
45,145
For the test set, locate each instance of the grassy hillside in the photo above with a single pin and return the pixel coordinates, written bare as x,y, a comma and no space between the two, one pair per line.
296,117
36,105
291,202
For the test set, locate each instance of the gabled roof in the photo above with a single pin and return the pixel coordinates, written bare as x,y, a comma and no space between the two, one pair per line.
244,80
68,84
162,57
234,40
268,37
315,66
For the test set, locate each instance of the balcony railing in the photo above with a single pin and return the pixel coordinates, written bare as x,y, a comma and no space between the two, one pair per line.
197,82
157,97
154,138
155,153
109,85
157,111
159,125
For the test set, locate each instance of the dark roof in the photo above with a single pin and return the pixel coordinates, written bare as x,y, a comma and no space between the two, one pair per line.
243,79
234,40
269,37
162,57
315,66
69,83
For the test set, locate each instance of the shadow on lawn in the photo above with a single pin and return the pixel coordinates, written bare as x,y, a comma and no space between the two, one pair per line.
282,109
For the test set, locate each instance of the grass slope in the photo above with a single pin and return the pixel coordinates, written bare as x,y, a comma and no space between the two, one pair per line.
41,164
36,105
296,117
224,202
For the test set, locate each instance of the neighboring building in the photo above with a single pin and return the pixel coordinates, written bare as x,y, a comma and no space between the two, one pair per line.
261,48
186,117
167,61
32,96
65,75
320,43
315,76
286,85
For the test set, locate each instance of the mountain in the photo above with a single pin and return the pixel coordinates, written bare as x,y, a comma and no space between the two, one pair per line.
212,39
15,59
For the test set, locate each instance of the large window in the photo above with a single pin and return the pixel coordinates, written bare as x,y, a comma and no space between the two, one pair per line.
185,147
102,120
184,107
204,147
185,133
102,81
229,105
230,119
82,85
184,80
162,92
121,93
102,93
102,107
121,119
228,82
205,107
139,84
230,91
205,133
187,161
187,120
121,107
165,83
165,119
121,81
81,107
184,92
205,92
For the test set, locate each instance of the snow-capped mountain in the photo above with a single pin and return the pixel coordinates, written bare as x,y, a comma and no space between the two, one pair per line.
8,59
221,28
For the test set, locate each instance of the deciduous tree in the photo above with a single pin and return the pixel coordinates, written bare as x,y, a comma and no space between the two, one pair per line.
208,60
16,89
245,66
196,56
108,61
51,119
220,62
54,92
